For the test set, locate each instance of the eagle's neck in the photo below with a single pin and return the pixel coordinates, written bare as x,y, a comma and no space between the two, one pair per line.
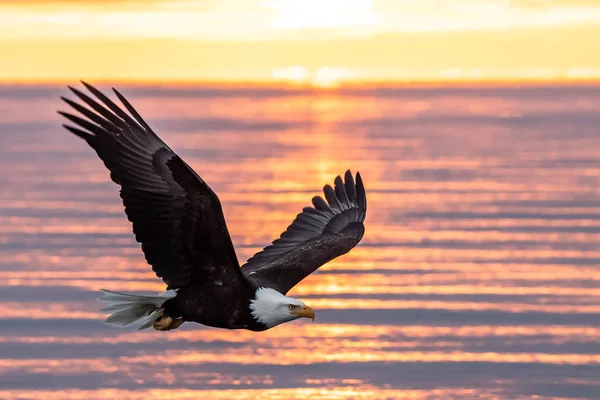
269,307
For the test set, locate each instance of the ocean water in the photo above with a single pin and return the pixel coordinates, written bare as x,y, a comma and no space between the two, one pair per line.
478,276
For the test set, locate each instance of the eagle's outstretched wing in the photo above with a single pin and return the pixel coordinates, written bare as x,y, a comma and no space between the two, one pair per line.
317,235
176,217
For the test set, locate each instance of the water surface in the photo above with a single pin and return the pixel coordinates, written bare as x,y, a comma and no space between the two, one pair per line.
478,276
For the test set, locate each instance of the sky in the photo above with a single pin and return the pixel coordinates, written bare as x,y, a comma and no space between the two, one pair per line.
320,42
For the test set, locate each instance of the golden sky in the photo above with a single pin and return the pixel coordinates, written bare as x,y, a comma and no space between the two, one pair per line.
317,41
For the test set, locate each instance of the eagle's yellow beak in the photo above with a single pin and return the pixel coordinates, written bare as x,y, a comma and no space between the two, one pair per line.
305,312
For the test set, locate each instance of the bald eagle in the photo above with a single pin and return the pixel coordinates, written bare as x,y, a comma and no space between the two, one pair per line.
179,222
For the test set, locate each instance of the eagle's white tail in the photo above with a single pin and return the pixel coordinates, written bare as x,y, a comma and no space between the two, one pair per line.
131,310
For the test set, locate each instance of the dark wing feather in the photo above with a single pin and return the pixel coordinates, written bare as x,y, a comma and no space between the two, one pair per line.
318,235
176,217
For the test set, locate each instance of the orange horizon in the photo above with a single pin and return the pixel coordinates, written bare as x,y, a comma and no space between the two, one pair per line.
500,82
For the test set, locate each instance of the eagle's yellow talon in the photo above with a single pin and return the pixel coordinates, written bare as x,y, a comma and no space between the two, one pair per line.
177,323
166,323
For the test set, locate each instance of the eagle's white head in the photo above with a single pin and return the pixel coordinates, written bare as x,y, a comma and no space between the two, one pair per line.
273,308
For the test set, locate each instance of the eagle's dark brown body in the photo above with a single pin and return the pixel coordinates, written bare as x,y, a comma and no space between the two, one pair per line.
219,307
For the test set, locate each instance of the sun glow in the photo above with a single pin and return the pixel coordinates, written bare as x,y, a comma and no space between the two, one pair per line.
299,14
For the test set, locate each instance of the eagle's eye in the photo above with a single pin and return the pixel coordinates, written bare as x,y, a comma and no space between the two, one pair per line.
291,306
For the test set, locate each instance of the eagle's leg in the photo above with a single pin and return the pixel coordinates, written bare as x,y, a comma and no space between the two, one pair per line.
166,323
